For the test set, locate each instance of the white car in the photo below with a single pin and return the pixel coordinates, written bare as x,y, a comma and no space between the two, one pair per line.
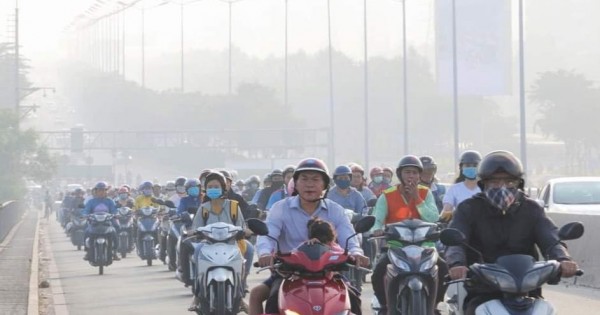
577,195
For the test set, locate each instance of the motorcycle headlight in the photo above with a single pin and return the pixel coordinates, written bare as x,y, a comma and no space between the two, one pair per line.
503,280
397,261
429,262
536,277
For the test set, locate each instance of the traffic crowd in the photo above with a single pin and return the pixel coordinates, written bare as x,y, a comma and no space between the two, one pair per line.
308,203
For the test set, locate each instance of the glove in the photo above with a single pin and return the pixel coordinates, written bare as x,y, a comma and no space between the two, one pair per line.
446,216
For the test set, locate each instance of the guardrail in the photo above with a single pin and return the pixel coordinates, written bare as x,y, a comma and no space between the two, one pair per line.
584,250
10,214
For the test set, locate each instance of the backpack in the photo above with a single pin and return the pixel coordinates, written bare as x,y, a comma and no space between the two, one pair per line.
233,212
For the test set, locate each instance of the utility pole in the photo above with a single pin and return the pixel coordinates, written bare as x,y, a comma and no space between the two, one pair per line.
17,66
522,90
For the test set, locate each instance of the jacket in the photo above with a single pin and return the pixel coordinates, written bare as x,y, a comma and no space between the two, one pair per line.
496,233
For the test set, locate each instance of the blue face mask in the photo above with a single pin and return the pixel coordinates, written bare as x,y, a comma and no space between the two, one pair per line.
147,192
194,191
342,183
470,172
123,196
378,179
214,193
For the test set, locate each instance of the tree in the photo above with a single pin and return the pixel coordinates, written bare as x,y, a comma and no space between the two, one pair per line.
570,106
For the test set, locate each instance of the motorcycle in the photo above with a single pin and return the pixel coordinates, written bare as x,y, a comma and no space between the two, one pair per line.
124,225
99,242
352,274
513,275
76,230
312,284
411,277
216,269
148,224
173,237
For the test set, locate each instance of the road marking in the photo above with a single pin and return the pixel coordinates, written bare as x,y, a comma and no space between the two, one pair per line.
11,233
33,299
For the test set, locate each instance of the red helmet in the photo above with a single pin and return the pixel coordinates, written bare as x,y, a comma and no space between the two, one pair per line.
313,164
376,171
123,190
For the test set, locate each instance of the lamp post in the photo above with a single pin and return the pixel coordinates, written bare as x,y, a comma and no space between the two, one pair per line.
522,90
230,4
331,99
285,84
455,84
366,84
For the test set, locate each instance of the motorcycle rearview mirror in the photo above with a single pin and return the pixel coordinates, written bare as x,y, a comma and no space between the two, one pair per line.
452,237
371,203
571,231
364,224
169,204
259,227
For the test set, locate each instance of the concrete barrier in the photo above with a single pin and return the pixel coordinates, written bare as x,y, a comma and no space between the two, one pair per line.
586,250
10,214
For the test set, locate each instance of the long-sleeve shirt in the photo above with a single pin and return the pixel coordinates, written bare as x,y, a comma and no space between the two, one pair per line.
427,210
144,201
367,193
353,200
213,217
287,223
186,204
95,205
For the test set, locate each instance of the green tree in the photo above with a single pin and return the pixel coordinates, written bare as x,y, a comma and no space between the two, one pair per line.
570,106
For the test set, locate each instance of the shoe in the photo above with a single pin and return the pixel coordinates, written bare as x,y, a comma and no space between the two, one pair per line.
116,257
86,257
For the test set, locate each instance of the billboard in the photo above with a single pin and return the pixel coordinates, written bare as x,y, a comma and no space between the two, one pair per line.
483,46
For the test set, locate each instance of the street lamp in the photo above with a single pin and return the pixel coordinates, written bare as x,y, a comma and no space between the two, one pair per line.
366,84
331,104
230,3
404,77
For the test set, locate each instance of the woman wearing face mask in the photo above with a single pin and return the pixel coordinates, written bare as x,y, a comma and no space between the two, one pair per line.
146,198
123,198
191,202
218,209
377,184
465,185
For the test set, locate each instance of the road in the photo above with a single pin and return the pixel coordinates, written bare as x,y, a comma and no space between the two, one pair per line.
130,287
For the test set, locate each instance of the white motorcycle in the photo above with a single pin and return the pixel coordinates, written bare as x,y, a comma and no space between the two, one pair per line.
217,268
513,275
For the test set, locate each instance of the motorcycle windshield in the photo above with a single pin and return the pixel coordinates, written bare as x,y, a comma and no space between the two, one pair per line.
219,231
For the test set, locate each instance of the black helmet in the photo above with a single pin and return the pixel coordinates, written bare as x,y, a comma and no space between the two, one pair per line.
276,172
500,161
428,162
312,164
253,179
470,157
406,161
192,182
101,185
219,177
289,169
180,181
227,175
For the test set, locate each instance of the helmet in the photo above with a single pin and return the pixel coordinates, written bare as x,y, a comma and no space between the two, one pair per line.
276,172
500,161
357,168
289,169
180,181
240,183
204,172
101,185
78,191
342,170
375,171
254,179
470,157
123,190
218,176
428,162
156,185
227,175
312,164
170,185
267,178
388,169
145,185
192,182
409,160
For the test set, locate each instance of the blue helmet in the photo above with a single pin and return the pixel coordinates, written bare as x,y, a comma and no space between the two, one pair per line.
101,185
145,185
342,170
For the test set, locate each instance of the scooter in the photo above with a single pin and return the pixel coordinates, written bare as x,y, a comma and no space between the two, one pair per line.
411,277
148,224
355,276
312,284
513,275
99,242
76,230
216,269
124,224
177,223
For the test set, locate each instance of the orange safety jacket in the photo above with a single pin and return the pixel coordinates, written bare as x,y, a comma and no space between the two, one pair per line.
398,209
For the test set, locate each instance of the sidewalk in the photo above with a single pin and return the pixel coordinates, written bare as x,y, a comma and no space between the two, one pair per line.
15,264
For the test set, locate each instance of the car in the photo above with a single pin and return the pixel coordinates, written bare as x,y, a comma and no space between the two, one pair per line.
576,195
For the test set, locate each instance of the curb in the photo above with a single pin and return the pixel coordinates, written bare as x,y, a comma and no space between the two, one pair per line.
33,299
59,303
11,233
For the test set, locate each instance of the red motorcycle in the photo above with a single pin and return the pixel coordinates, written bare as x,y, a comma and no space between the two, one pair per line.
312,281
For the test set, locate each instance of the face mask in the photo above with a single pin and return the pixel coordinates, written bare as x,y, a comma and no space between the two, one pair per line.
342,183
470,172
253,185
277,184
214,193
194,191
123,196
147,192
387,180
502,197
378,179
